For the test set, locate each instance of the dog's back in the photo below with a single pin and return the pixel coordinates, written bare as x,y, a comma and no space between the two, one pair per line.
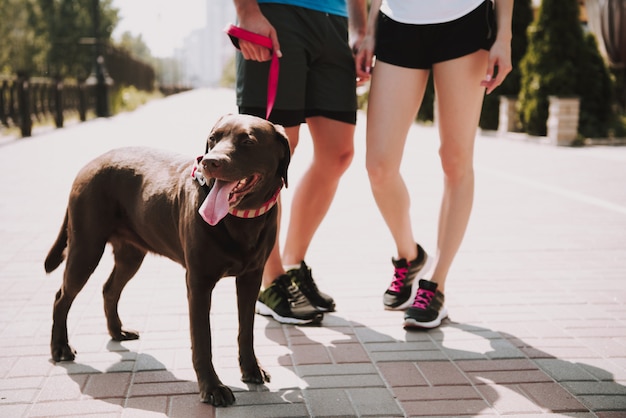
104,202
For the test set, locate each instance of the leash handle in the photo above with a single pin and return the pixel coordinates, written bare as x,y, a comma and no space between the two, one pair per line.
235,33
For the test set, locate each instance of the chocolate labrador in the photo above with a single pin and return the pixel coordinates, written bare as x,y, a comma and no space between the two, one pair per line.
215,216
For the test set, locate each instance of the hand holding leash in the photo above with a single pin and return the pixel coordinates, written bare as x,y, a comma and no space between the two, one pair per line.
236,34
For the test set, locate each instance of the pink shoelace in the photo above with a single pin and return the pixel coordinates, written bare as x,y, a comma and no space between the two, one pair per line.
398,279
423,298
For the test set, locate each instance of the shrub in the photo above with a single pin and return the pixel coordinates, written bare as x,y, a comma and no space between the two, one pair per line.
522,17
561,61
426,111
128,98
595,91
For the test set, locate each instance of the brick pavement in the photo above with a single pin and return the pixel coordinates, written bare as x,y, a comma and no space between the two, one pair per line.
537,297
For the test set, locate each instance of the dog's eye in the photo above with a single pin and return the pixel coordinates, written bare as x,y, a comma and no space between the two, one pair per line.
247,140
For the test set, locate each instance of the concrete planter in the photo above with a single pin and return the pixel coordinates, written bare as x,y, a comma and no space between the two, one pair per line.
563,120
508,118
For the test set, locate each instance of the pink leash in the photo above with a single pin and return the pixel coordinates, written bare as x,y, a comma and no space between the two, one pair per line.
236,32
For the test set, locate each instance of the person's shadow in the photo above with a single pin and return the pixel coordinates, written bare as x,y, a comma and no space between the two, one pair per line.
501,374
529,377
311,367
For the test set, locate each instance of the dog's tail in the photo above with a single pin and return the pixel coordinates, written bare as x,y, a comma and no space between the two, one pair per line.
56,255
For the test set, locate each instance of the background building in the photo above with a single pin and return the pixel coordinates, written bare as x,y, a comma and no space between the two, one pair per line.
206,51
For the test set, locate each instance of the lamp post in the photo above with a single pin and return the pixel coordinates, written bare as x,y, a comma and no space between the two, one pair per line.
99,78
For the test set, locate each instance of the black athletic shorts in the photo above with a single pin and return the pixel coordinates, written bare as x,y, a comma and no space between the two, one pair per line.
421,46
317,72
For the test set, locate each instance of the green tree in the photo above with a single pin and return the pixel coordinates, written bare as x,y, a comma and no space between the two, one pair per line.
596,91
22,48
559,61
52,37
136,46
522,18
72,34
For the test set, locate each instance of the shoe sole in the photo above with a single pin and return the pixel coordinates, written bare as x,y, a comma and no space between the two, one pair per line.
263,309
414,286
323,309
412,323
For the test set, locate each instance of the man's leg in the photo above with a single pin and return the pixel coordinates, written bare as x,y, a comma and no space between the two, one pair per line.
274,265
304,303
333,149
280,297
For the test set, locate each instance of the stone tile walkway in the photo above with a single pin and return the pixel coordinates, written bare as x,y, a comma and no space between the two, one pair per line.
537,296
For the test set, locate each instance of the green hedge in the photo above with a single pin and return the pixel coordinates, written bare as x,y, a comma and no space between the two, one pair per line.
522,18
562,61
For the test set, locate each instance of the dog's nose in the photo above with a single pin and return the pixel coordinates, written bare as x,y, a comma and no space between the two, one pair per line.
211,163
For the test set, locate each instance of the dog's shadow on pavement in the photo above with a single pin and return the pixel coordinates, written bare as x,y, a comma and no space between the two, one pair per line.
140,382
136,381
497,374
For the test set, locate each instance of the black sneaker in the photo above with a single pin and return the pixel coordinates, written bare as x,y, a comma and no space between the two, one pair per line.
427,310
284,302
403,288
303,278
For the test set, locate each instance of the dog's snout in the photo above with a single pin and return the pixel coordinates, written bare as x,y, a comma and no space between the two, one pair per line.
211,162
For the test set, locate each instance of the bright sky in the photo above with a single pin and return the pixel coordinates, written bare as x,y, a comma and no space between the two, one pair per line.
163,24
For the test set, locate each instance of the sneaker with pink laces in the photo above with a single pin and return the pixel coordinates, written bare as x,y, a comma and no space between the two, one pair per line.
403,288
427,310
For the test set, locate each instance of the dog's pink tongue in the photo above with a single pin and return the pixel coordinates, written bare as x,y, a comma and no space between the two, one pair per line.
216,205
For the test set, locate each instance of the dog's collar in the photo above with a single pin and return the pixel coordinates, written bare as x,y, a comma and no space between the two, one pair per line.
240,213
196,173
253,213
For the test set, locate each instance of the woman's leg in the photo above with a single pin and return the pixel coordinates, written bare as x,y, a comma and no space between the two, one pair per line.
394,99
459,102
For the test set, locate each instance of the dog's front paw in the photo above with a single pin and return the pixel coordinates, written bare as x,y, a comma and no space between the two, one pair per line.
62,352
258,376
220,395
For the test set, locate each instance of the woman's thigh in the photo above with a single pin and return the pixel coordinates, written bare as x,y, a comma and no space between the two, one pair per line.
460,98
395,96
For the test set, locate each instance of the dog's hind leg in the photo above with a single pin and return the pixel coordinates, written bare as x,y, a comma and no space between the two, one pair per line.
82,260
128,259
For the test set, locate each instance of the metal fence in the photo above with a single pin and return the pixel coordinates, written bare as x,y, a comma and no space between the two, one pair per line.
126,70
25,100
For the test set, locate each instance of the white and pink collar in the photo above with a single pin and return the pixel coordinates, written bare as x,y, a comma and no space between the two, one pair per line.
240,213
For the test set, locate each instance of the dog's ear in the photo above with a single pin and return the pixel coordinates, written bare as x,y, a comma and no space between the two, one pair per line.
281,136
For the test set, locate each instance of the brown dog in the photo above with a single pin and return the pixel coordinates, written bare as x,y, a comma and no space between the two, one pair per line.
142,200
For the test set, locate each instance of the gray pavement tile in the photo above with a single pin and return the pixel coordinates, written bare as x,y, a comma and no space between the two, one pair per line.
374,402
329,403
284,409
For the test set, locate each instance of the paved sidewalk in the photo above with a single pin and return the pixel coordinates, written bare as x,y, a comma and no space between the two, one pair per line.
537,297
